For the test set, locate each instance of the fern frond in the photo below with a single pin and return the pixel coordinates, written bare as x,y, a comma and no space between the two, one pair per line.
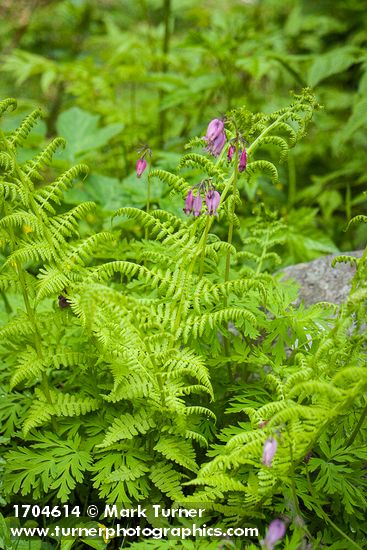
65,404
343,258
66,224
167,480
51,282
81,253
127,426
356,219
262,166
29,367
200,411
199,438
22,132
205,164
32,167
17,328
8,103
176,183
196,325
20,218
54,192
278,142
7,163
177,450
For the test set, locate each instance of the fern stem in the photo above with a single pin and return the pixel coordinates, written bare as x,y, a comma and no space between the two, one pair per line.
205,239
7,305
32,319
190,271
291,180
357,428
267,130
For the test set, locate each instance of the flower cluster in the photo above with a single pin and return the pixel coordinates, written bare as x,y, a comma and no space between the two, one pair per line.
194,202
215,137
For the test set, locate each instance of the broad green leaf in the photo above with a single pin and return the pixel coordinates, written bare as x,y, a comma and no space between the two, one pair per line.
357,119
80,129
333,62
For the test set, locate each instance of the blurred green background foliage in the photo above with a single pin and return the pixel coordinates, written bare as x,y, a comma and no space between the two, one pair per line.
112,75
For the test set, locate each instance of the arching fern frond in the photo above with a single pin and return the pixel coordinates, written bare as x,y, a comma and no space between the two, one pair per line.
20,134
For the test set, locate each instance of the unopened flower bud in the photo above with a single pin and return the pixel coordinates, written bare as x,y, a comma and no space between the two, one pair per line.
270,447
141,165
276,532
212,199
231,151
243,161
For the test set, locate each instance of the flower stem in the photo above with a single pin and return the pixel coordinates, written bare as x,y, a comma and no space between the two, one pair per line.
232,210
167,8
146,233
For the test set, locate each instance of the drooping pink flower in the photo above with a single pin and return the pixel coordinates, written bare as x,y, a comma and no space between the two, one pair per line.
215,127
216,145
243,160
231,151
275,532
197,205
141,165
189,202
270,447
215,137
212,199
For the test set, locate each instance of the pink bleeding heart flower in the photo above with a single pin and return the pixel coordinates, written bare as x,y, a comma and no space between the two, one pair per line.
216,145
189,202
215,127
141,165
212,199
270,447
215,137
275,532
197,205
243,161
231,151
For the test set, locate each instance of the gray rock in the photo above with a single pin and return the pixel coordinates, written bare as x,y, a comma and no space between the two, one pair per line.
319,282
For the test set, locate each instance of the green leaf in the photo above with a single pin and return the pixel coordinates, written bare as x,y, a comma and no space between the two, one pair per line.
333,62
357,119
80,129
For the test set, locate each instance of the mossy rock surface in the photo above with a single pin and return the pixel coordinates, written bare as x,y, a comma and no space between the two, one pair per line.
320,282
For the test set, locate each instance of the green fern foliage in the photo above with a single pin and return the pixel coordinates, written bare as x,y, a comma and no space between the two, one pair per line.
156,368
